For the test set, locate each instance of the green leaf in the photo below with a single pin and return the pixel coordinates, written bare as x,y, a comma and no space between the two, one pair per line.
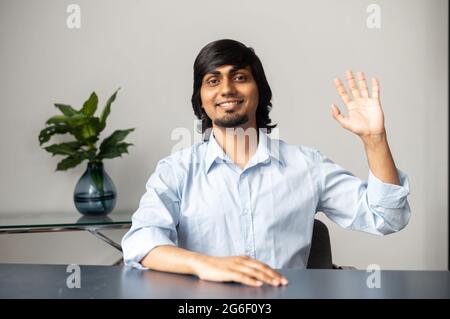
69,162
115,137
114,151
90,106
89,131
67,110
47,132
57,119
77,120
94,123
69,148
107,110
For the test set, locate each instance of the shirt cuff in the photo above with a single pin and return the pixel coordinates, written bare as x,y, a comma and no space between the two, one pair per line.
141,242
388,195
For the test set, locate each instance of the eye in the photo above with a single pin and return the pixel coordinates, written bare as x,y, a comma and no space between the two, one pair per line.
240,77
212,81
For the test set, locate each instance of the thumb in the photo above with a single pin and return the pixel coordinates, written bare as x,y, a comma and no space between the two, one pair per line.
336,113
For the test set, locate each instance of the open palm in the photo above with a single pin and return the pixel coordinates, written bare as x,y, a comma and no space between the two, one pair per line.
365,115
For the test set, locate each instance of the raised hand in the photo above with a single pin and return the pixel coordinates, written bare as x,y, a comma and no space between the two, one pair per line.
365,115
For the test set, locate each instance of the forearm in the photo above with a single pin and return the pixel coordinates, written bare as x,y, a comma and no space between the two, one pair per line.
380,158
172,259
235,268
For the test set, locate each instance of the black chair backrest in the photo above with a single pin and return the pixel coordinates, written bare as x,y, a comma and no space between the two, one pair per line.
320,254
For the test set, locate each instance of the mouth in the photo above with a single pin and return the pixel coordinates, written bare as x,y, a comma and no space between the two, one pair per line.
230,104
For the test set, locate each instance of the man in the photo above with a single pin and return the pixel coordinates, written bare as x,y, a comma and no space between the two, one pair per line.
237,206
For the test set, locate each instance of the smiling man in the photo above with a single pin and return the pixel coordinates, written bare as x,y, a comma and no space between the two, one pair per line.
241,204
234,108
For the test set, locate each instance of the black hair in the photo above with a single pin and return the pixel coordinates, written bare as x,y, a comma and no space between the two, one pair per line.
231,52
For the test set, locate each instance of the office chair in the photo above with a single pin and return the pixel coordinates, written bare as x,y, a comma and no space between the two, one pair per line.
320,256
320,253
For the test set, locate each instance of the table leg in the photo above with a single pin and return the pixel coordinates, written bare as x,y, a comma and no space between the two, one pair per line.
96,233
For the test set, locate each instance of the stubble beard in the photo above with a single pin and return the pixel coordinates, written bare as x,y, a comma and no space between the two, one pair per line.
231,120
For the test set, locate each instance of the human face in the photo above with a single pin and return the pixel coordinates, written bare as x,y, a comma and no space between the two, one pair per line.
230,97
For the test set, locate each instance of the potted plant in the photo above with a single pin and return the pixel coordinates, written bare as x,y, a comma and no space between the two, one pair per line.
95,193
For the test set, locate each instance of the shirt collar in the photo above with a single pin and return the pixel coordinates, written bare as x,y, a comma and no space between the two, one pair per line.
214,151
266,148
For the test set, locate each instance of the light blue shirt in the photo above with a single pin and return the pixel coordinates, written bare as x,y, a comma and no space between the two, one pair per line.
198,199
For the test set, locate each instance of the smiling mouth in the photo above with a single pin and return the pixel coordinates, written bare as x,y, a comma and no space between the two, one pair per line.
228,105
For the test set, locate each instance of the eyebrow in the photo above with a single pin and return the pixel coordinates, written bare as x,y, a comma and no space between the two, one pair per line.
233,70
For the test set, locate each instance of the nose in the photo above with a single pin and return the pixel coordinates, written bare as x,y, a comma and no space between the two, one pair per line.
228,87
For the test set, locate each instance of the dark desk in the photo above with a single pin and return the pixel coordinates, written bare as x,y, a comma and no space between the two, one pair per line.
49,281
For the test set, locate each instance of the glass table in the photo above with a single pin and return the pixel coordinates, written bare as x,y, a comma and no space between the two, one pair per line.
55,222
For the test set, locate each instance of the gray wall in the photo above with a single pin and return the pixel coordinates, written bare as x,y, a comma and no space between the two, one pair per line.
148,47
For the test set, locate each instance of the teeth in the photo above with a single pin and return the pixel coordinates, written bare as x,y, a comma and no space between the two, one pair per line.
230,103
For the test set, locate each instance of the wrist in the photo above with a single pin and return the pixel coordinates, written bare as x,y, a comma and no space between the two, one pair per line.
374,140
196,261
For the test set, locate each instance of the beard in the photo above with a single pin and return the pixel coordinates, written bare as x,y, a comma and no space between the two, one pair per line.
231,120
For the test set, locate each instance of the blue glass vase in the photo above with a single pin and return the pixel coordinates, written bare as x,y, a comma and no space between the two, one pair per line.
95,193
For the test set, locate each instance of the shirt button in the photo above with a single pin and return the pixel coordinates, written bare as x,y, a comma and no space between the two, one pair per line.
245,210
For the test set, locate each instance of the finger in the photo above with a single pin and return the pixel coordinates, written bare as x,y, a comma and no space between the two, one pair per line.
375,88
244,279
337,115
362,84
342,91
257,274
352,84
275,276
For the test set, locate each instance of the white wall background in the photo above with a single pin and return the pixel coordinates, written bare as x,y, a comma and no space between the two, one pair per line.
148,48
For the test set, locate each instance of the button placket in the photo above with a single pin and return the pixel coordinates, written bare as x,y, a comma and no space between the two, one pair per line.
246,217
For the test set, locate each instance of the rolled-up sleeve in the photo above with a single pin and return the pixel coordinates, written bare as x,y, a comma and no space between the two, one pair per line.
154,223
371,206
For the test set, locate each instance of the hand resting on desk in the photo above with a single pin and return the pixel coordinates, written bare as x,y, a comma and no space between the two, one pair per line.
241,269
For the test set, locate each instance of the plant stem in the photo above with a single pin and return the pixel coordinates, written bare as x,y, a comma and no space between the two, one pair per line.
92,158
